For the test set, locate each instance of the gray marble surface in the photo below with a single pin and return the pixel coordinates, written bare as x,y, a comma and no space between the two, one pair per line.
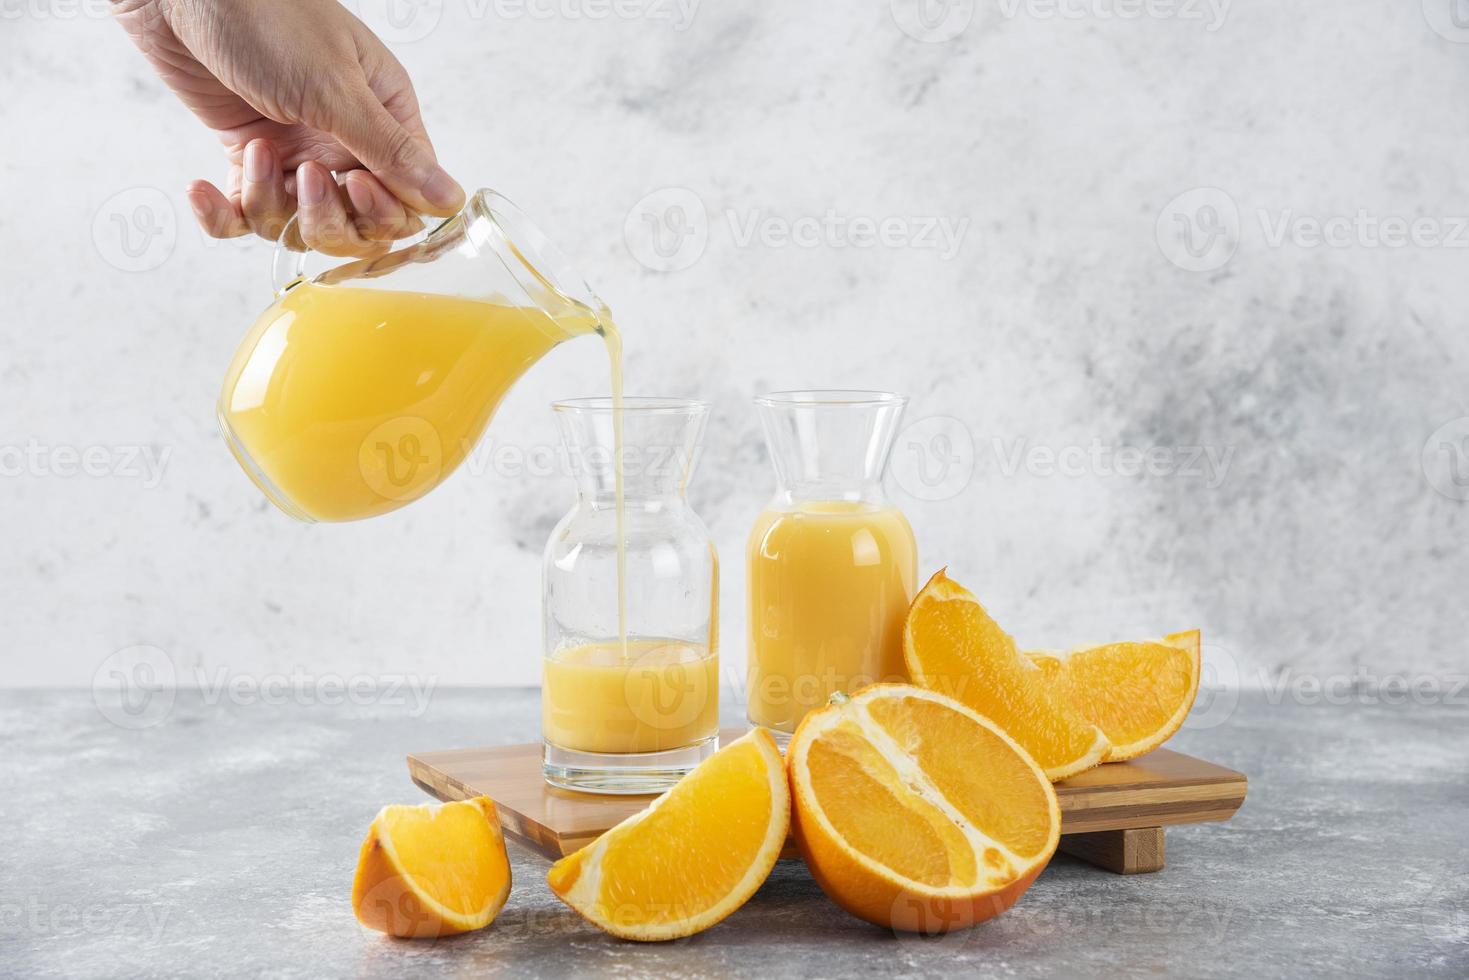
222,840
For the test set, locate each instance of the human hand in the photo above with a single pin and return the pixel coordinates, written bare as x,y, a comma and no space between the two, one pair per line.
296,89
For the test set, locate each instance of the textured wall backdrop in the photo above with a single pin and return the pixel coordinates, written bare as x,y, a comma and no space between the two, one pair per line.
1178,290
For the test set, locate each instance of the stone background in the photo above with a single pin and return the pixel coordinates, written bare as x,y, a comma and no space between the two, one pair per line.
1132,267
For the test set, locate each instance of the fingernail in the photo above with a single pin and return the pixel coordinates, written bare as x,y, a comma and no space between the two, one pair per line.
443,191
199,201
362,197
311,187
259,167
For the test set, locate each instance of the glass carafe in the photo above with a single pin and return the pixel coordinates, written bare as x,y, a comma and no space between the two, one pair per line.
630,692
831,563
363,387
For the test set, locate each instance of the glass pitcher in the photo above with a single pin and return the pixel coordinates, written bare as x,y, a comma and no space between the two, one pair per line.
630,692
831,563
363,387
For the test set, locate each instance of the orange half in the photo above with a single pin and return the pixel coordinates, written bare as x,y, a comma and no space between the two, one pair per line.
914,812
1138,693
953,646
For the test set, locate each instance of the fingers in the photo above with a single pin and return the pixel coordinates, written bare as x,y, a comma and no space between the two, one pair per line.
264,203
379,215
401,161
359,217
219,216
322,216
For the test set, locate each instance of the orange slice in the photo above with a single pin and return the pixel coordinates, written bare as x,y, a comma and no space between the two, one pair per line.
951,645
697,853
915,812
1137,693
432,870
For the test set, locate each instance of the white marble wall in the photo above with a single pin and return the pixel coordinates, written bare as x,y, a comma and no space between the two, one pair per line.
1327,537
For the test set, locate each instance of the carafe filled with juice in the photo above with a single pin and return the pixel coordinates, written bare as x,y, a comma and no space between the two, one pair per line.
630,692
831,562
362,388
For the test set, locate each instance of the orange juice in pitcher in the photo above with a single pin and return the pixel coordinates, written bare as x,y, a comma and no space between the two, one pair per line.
363,388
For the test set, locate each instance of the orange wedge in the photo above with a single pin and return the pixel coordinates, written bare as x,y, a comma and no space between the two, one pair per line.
916,813
951,645
697,853
1137,693
432,870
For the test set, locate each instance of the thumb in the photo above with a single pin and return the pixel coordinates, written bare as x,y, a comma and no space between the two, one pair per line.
398,158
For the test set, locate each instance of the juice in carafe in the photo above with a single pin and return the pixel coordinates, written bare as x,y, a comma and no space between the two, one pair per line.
354,401
831,564
829,586
630,603
647,695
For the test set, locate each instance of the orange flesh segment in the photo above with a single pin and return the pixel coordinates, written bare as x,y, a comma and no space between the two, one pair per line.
868,804
958,650
448,851
987,781
719,823
1133,691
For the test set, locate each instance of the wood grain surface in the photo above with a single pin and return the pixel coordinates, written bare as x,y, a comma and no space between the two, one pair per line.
1149,793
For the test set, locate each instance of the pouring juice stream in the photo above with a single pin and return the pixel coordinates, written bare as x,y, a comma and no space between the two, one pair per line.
613,338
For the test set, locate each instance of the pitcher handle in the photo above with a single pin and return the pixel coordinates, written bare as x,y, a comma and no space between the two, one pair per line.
536,264
287,265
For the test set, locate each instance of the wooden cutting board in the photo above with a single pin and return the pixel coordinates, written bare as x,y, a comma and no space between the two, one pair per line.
1112,816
